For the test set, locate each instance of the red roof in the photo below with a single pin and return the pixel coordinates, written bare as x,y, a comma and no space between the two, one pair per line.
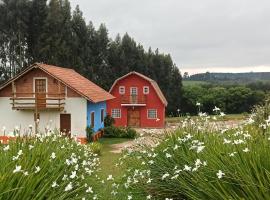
73,80
153,83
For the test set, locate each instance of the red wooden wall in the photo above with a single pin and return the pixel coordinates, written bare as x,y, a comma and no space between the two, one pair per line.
152,102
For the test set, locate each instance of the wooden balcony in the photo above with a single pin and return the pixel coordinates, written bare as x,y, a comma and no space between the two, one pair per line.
38,101
133,100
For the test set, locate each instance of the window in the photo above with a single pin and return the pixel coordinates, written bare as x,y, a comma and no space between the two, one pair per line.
152,113
145,90
102,115
116,113
133,91
122,90
92,119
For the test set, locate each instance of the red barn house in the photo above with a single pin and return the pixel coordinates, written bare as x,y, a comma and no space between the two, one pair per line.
139,102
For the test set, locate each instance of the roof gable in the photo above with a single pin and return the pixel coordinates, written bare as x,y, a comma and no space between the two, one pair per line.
72,79
151,81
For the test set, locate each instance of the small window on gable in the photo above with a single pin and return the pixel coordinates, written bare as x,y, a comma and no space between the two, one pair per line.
152,113
116,113
145,90
122,90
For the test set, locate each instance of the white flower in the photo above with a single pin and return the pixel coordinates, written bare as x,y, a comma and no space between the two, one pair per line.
31,147
37,169
187,168
246,150
149,197
226,141
73,175
54,184
17,169
110,177
168,155
165,176
20,152
220,174
53,156
149,180
68,187
198,104
129,197
89,190
6,148
200,148
216,109
26,173
222,114
175,147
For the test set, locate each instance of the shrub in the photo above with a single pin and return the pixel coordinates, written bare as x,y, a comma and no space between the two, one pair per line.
50,167
198,163
108,121
96,147
116,132
89,132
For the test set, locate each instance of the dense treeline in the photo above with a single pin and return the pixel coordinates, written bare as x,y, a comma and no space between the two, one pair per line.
229,98
226,77
41,31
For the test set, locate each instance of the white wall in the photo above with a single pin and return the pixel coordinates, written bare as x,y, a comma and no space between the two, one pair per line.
48,119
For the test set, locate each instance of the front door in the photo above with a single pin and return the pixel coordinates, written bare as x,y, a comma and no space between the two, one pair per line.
65,124
40,92
134,117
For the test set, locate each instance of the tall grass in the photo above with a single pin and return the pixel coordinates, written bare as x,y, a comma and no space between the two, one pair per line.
49,167
201,163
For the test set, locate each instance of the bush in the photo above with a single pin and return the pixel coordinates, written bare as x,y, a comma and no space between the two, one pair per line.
96,147
116,132
50,167
89,132
197,163
108,121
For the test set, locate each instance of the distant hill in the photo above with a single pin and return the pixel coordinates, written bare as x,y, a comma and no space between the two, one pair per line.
230,77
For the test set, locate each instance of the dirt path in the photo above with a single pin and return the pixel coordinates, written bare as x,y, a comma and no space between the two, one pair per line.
147,136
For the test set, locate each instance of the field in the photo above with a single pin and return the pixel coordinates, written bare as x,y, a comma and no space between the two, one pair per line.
188,83
196,160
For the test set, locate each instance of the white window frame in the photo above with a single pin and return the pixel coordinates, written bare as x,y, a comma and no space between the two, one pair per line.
113,112
122,88
131,89
148,110
145,87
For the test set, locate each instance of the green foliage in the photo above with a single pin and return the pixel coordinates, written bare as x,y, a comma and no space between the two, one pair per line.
43,167
96,147
200,163
116,132
108,121
89,132
230,99
261,114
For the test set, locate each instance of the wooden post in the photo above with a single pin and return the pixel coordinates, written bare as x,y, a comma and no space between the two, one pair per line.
59,94
13,94
36,114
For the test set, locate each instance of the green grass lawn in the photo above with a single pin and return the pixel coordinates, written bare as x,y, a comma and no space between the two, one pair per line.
107,163
228,117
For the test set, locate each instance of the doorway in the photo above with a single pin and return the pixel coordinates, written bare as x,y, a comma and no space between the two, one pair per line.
134,119
65,124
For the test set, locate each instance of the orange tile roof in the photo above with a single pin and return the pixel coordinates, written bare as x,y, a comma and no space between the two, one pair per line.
153,83
73,80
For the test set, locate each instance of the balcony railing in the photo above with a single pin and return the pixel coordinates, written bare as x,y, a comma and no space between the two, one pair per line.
133,100
38,101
